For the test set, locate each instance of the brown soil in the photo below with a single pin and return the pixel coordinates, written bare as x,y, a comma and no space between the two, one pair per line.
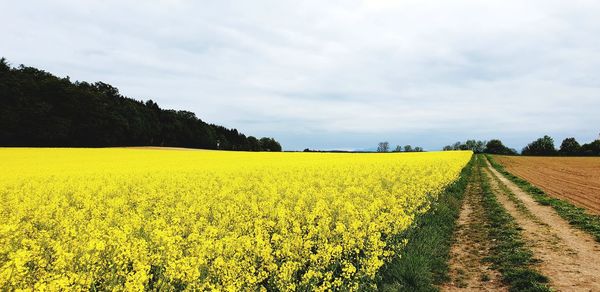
468,271
568,256
576,179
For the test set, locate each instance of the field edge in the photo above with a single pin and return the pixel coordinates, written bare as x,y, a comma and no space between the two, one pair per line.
576,216
422,264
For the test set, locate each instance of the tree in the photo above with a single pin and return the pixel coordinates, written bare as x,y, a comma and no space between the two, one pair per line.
592,148
473,145
480,147
4,66
470,145
541,146
418,149
495,146
269,144
253,144
408,148
570,146
383,147
398,148
456,146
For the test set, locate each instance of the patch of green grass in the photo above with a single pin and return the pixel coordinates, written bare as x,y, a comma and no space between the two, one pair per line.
423,262
576,216
513,198
509,254
485,277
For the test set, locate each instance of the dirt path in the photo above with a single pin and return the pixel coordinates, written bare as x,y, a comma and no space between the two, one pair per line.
569,257
468,271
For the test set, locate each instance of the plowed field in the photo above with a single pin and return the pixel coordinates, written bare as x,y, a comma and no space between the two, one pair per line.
576,179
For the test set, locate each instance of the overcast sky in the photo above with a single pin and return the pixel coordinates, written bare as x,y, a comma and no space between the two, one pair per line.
334,74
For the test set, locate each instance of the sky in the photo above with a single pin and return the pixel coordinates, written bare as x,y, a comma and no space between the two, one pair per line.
334,74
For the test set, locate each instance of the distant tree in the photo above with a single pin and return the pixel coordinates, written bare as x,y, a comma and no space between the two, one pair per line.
495,146
541,146
470,145
592,148
473,145
398,148
456,146
269,144
383,147
418,149
4,66
570,146
480,147
408,148
253,144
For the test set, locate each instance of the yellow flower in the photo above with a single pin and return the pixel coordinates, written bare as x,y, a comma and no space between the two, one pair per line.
125,219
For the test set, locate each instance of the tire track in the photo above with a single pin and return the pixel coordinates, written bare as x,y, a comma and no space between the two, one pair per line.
568,256
468,271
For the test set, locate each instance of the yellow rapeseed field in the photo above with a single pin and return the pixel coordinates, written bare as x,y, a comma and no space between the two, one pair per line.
134,219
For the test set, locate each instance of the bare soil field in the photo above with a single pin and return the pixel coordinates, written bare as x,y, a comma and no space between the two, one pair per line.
576,179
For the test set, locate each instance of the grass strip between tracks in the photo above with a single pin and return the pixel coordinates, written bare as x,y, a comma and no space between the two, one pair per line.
509,253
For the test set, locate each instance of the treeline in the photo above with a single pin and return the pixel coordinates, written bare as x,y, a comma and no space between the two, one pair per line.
542,146
385,147
493,146
40,109
568,147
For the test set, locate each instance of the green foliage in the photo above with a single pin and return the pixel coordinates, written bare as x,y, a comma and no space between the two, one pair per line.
269,144
495,146
569,146
475,146
39,109
423,263
592,148
4,66
478,146
576,216
541,146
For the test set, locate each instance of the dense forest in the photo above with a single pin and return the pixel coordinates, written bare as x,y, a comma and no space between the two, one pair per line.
40,109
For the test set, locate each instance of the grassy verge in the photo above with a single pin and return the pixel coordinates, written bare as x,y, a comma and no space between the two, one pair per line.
576,216
509,255
423,263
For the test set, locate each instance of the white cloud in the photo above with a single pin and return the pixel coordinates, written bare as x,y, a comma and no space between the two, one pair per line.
333,74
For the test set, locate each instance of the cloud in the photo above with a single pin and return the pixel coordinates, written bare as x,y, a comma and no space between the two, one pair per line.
334,74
